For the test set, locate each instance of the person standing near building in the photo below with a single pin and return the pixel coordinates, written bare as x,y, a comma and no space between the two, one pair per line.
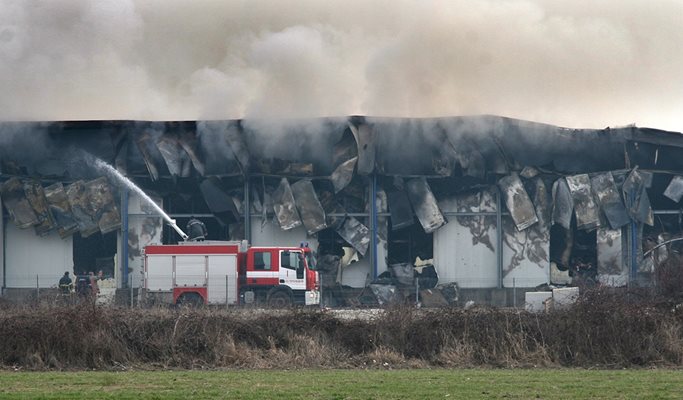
65,283
196,230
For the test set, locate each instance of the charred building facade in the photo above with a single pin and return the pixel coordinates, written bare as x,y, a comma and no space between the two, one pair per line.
475,205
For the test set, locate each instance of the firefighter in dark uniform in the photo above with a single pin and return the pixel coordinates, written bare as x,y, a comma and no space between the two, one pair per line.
196,230
65,283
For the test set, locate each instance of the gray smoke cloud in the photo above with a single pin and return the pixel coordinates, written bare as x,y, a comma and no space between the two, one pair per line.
574,63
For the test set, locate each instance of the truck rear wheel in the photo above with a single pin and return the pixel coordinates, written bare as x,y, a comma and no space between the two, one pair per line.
279,299
190,300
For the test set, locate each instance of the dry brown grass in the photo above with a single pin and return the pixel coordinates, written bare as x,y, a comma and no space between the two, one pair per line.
606,328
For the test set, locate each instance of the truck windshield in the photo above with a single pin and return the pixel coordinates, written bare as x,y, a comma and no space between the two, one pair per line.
310,260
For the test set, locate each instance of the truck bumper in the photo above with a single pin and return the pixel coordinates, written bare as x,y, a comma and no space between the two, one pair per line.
312,297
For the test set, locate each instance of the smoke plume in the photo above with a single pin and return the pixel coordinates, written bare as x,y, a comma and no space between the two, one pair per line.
570,63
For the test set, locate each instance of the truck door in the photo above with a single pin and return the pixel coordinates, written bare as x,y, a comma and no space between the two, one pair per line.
292,272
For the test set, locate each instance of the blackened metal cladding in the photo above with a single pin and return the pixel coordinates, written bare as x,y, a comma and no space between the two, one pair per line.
146,145
472,162
563,205
365,139
542,204
344,149
119,140
636,199
61,210
218,201
401,212
284,206
385,294
479,225
609,250
587,212
102,203
675,189
188,141
343,174
610,200
356,234
36,197
518,201
235,139
403,273
310,209
177,160
80,208
424,204
18,206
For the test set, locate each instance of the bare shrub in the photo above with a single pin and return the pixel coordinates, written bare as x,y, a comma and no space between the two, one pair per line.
606,327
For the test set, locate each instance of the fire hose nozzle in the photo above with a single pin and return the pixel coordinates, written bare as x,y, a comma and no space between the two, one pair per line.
175,226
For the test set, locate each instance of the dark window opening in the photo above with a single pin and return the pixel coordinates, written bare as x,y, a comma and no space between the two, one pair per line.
405,245
95,253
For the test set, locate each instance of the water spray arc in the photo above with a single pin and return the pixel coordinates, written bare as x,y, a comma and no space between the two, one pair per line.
112,172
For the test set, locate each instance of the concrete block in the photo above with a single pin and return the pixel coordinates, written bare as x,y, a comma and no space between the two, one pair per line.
535,301
564,297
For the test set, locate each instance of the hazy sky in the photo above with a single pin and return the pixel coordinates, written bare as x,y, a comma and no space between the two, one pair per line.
574,63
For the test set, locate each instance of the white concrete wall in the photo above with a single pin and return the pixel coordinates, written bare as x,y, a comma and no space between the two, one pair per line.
456,259
144,224
28,255
462,253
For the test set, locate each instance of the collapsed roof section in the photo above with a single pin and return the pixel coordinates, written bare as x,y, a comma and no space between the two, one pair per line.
316,173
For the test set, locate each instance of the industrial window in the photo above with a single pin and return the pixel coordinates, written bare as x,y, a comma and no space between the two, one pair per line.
262,260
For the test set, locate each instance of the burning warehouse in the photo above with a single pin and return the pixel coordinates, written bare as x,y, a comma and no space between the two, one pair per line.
476,205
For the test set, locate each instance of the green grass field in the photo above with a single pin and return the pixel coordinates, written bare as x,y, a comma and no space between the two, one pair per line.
345,384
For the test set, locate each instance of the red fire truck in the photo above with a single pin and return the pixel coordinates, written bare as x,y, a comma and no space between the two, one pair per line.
218,272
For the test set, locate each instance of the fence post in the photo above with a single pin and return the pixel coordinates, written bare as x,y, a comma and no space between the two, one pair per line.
514,293
131,290
37,288
417,292
227,287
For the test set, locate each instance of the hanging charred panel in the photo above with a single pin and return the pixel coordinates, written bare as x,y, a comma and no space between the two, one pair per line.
235,138
636,198
102,204
518,202
563,205
188,141
675,189
119,141
365,139
424,204
586,210
310,209
343,174
147,147
36,197
61,210
356,234
18,206
80,208
610,200
177,160
218,201
400,209
284,206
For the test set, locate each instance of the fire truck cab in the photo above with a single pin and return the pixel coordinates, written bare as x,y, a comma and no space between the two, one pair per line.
214,272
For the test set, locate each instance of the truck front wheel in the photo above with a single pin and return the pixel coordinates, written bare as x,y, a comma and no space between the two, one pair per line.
279,299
